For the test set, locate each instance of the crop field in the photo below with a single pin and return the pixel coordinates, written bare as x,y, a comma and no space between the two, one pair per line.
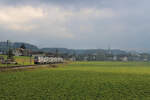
79,81
24,60
21,60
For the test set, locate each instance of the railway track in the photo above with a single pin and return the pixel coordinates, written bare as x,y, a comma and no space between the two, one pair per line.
30,66
21,67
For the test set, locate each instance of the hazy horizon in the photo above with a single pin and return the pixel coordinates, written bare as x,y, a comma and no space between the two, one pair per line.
76,24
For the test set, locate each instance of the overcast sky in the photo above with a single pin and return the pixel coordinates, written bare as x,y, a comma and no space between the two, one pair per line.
122,24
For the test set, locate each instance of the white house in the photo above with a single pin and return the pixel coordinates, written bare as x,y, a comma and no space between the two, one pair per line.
124,59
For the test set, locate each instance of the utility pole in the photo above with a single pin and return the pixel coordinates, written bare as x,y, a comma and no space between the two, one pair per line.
56,52
7,52
109,49
30,56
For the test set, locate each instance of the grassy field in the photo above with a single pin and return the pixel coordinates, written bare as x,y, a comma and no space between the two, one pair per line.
24,60
21,60
79,81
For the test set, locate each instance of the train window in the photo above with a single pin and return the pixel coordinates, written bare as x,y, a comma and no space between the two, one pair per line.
36,57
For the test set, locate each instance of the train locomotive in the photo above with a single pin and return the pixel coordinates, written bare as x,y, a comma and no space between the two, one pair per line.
47,60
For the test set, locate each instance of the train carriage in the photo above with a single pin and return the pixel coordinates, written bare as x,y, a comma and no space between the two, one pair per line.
47,60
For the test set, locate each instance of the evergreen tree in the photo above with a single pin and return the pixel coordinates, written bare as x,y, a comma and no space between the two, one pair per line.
23,46
10,55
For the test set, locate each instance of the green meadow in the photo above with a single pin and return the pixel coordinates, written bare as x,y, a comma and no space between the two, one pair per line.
78,81
21,60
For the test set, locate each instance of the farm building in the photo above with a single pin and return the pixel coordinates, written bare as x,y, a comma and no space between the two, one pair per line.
21,52
124,58
72,59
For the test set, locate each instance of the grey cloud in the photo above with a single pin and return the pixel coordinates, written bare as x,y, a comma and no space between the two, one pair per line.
128,28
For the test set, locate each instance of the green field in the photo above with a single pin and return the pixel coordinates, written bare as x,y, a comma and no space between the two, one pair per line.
21,60
24,60
79,81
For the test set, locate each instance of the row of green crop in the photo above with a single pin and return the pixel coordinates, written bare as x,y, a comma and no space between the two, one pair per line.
74,82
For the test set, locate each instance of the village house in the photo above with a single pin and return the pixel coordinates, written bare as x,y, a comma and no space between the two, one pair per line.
21,52
124,58
72,59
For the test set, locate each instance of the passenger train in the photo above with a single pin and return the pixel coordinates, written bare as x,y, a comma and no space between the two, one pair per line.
47,60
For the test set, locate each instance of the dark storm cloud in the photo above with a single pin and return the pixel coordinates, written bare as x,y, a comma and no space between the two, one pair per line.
77,23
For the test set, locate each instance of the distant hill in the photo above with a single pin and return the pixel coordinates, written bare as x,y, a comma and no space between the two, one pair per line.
53,50
3,47
83,51
27,45
118,52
